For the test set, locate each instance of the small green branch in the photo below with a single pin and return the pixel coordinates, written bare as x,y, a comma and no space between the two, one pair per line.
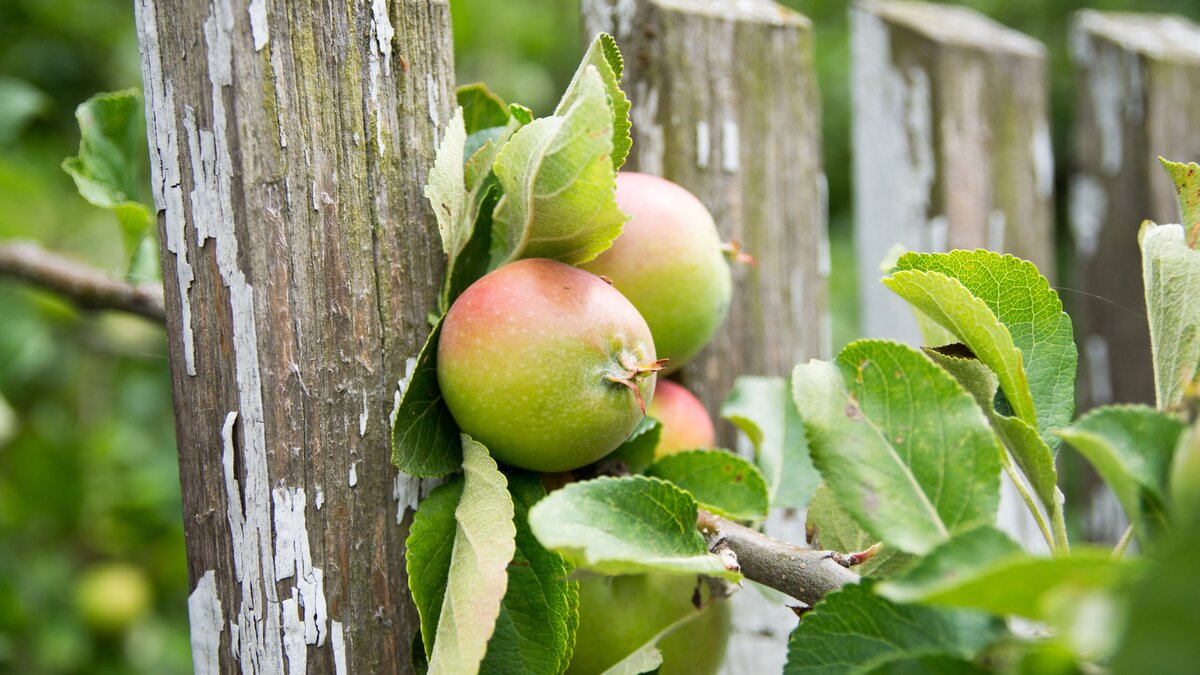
1007,463
1124,542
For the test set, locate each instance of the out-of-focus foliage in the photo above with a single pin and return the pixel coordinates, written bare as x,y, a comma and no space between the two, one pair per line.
89,496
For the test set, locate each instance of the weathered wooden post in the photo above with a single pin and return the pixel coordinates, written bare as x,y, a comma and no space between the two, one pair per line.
951,144
951,151
725,103
289,145
1138,84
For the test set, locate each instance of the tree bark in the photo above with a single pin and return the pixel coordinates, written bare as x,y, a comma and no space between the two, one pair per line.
951,144
289,146
725,103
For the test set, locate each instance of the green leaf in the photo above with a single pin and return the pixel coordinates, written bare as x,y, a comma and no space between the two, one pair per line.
645,659
108,169
482,109
484,543
606,58
853,630
425,438
427,554
1131,448
1021,299
720,481
942,664
637,451
1186,178
446,189
1171,275
901,444
837,530
762,407
1032,453
20,102
984,570
559,196
472,262
1161,621
535,632
624,526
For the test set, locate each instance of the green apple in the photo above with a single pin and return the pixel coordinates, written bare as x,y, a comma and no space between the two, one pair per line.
685,423
618,615
111,596
546,365
670,263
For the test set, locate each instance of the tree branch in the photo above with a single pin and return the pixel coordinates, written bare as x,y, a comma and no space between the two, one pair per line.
802,573
86,286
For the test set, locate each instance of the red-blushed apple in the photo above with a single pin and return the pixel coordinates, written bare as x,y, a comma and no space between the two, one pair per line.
670,263
546,365
618,615
685,423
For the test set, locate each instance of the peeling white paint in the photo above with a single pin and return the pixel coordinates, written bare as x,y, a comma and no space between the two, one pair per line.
293,558
730,150
384,34
1099,368
1106,90
381,45
1043,160
164,166
353,478
319,501
644,115
893,167
338,644
260,29
277,69
206,621
996,224
293,636
432,90
702,144
362,418
410,366
1089,204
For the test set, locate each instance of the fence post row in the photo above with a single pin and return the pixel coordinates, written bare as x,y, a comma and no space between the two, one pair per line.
1137,80
725,103
289,147
951,144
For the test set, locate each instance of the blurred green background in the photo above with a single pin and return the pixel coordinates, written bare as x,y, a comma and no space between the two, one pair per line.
89,490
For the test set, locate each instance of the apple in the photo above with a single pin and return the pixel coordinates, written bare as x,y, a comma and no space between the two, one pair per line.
618,615
670,263
545,364
111,596
685,423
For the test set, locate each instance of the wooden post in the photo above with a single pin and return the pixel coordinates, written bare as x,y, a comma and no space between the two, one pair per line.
951,144
289,145
1138,84
725,103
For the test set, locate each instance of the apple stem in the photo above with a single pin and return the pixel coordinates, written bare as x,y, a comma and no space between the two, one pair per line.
733,250
632,373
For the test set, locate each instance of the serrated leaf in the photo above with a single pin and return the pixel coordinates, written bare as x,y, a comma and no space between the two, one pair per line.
942,664
1022,300
472,262
762,407
482,109
559,196
637,451
837,530
446,189
1171,275
1032,453
720,481
606,58
853,630
984,570
484,543
427,555
1186,178
425,438
108,169
535,631
624,526
901,444
1131,447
